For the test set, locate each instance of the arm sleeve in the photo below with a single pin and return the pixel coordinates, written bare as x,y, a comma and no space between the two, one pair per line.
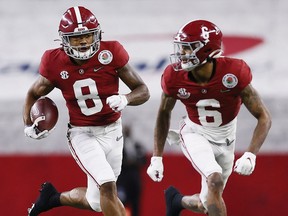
245,75
43,67
165,81
122,56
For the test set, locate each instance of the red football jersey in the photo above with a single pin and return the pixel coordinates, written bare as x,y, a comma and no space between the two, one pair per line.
86,87
215,103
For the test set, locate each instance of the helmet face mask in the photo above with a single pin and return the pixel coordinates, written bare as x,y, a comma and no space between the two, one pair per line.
184,56
79,22
81,52
194,44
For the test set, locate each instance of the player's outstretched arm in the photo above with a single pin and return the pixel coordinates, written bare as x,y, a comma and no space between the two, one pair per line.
251,99
156,169
256,107
162,123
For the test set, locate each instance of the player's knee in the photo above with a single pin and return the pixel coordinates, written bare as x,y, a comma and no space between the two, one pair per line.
215,182
108,190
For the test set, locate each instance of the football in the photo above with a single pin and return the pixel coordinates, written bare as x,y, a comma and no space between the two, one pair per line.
45,112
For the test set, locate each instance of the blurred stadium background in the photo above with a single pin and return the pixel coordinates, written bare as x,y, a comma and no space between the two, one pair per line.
255,30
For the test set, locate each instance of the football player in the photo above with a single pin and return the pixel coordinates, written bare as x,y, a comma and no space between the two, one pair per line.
87,70
212,88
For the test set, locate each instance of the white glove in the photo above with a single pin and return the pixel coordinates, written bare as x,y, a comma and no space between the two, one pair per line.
155,170
117,102
33,132
246,164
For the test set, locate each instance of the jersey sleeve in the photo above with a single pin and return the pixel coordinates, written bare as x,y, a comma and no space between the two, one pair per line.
245,75
43,69
165,80
122,56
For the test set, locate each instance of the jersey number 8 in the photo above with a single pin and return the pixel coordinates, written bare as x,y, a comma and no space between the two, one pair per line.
93,95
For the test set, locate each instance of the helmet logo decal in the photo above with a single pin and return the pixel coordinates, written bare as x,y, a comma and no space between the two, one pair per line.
180,36
64,75
65,23
105,57
183,94
206,33
229,80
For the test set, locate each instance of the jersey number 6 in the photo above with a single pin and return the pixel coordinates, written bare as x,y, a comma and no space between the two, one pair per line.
203,113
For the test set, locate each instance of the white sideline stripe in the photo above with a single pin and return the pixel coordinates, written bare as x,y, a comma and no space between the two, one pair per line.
78,16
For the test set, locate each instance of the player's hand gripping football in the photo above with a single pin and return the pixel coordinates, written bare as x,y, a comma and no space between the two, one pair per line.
117,102
33,132
246,164
155,170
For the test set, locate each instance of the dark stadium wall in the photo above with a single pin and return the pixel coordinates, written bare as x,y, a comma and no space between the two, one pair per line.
263,193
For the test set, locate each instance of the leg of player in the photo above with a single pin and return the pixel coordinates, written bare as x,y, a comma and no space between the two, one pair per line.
75,198
176,202
215,203
110,203
194,204
49,198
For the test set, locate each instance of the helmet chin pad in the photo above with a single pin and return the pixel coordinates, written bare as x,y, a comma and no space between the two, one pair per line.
83,55
188,66
75,52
